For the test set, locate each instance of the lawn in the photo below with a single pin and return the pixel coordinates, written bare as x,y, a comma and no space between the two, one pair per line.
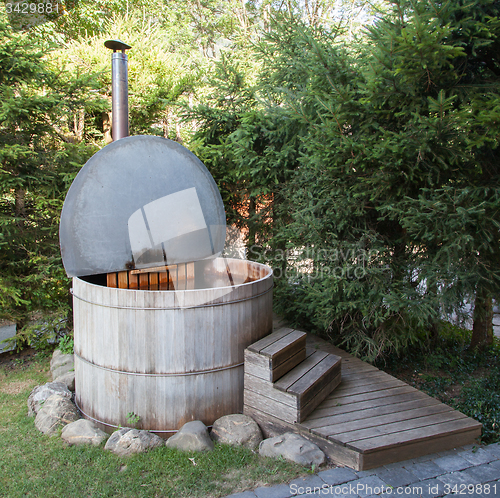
34,465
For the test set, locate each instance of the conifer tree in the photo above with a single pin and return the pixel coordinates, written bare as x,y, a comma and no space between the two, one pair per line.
40,151
399,179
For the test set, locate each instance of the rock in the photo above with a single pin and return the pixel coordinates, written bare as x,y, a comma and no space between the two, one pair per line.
56,412
41,393
68,379
237,430
83,431
294,448
61,364
126,441
192,436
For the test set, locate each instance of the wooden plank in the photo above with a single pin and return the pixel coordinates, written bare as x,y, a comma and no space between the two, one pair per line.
153,281
270,406
269,425
354,364
263,343
333,419
112,279
294,375
391,440
123,280
143,281
293,361
133,281
266,388
281,349
345,399
328,387
172,272
313,341
416,449
190,276
362,378
181,277
325,409
379,386
163,280
257,365
381,420
309,384
397,428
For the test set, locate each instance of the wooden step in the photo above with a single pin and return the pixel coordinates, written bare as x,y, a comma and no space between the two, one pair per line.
296,394
276,354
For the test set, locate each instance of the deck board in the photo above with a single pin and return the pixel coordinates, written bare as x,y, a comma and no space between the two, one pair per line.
373,419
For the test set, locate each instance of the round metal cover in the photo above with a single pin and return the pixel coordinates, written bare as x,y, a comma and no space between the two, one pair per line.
140,202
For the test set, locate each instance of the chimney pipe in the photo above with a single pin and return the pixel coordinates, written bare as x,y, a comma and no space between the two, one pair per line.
119,89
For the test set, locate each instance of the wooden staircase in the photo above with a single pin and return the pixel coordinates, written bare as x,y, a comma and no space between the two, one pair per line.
372,419
285,379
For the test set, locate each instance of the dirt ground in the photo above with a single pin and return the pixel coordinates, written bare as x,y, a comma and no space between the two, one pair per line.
11,359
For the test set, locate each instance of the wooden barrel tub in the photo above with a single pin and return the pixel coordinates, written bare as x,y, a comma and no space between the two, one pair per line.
166,357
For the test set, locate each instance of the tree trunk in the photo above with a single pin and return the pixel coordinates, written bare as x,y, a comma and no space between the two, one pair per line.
106,127
79,124
482,330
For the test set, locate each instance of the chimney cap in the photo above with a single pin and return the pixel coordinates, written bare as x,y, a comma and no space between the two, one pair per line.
116,45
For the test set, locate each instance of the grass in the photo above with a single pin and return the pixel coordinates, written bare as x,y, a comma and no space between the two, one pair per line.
33,465
468,380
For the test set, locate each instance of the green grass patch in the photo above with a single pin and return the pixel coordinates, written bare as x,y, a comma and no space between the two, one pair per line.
467,380
34,465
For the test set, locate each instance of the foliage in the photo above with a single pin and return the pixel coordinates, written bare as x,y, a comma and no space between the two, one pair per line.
157,76
133,419
394,205
66,344
39,157
43,333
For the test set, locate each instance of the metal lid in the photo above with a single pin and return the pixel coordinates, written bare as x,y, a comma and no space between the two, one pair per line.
116,45
141,201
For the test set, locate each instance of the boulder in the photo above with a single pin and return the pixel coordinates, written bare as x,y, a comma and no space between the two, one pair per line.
56,412
68,379
294,448
127,441
192,436
42,393
61,364
237,430
83,431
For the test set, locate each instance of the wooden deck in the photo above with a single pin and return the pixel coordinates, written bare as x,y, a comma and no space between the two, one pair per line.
372,419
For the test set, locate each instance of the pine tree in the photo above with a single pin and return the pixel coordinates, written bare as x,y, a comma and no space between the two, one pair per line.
40,152
400,176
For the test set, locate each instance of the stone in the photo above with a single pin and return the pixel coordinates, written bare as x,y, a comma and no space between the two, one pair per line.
83,431
192,436
68,379
61,364
292,447
7,331
56,412
41,393
237,430
127,441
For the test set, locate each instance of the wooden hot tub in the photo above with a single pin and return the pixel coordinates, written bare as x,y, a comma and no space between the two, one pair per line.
168,356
